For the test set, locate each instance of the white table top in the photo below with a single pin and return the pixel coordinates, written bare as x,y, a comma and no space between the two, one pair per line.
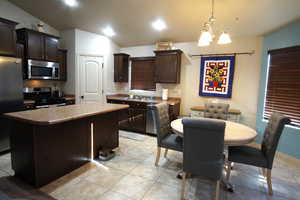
235,133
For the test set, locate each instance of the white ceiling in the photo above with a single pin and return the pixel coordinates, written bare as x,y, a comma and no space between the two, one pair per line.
131,19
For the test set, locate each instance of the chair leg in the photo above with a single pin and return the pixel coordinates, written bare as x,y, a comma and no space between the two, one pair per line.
228,171
232,165
183,185
218,190
166,152
263,171
269,181
157,156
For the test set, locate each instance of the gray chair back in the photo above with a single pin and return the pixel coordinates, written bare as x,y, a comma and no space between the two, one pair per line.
272,135
160,114
203,146
216,110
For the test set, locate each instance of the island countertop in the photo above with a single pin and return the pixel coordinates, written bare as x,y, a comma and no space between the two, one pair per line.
50,116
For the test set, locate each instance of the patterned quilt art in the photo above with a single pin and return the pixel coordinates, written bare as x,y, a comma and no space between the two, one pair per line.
216,76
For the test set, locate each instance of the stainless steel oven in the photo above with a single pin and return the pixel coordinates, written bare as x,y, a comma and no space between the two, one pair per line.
43,70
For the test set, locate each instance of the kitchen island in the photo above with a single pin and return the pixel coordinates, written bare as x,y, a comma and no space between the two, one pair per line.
49,143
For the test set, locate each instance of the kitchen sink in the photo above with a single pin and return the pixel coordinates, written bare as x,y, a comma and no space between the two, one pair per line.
138,98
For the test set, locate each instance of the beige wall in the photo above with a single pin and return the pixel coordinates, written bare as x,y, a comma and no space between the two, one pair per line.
246,76
80,42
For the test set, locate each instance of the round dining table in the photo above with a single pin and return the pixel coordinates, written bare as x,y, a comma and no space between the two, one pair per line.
235,134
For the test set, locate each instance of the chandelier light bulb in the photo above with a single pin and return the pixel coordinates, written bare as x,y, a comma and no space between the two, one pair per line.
224,38
204,39
206,36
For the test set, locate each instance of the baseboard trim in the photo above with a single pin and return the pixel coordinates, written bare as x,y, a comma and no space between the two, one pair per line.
288,158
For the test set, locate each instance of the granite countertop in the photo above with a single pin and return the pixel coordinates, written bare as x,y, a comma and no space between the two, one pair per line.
67,97
123,97
49,116
230,111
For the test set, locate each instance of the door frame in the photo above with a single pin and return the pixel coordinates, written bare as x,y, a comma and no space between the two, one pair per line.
78,69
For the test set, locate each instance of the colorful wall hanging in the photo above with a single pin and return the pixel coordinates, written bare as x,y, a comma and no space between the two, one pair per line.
216,76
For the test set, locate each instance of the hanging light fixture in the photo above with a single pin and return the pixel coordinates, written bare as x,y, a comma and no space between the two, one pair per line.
207,33
224,38
206,36
202,41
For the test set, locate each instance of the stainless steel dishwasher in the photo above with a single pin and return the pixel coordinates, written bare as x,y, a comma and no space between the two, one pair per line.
150,123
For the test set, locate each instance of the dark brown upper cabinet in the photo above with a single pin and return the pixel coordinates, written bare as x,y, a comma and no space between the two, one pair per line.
121,65
35,46
51,48
7,37
39,46
20,54
168,65
62,57
20,51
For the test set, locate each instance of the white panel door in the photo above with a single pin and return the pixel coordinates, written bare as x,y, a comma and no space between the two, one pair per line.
91,71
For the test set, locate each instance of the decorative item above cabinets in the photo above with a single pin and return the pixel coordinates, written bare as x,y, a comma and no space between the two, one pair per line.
121,65
168,66
39,46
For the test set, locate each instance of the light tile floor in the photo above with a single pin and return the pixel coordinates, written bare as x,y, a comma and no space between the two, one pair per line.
131,175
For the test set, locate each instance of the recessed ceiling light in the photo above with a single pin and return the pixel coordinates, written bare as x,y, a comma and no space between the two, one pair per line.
159,25
71,3
108,31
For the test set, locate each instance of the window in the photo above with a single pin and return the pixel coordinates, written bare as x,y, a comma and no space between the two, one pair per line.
143,73
283,86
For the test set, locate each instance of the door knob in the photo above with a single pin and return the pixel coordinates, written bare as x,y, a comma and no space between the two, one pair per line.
82,97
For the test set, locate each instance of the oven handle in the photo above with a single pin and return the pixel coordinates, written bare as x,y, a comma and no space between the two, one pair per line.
45,106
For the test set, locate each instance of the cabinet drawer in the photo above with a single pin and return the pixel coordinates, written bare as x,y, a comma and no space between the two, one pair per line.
137,105
117,101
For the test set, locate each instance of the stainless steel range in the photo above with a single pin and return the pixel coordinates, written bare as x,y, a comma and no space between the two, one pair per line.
43,97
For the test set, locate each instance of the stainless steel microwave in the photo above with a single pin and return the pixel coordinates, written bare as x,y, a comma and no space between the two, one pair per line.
43,70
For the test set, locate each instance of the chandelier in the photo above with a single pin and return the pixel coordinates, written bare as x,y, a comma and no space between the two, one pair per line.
207,33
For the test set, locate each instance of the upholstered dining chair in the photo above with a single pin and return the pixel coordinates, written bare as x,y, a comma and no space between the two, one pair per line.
165,137
216,110
203,146
264,156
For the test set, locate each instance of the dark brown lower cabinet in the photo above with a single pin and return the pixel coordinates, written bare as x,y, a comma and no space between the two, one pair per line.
135,118
42,153
124,119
